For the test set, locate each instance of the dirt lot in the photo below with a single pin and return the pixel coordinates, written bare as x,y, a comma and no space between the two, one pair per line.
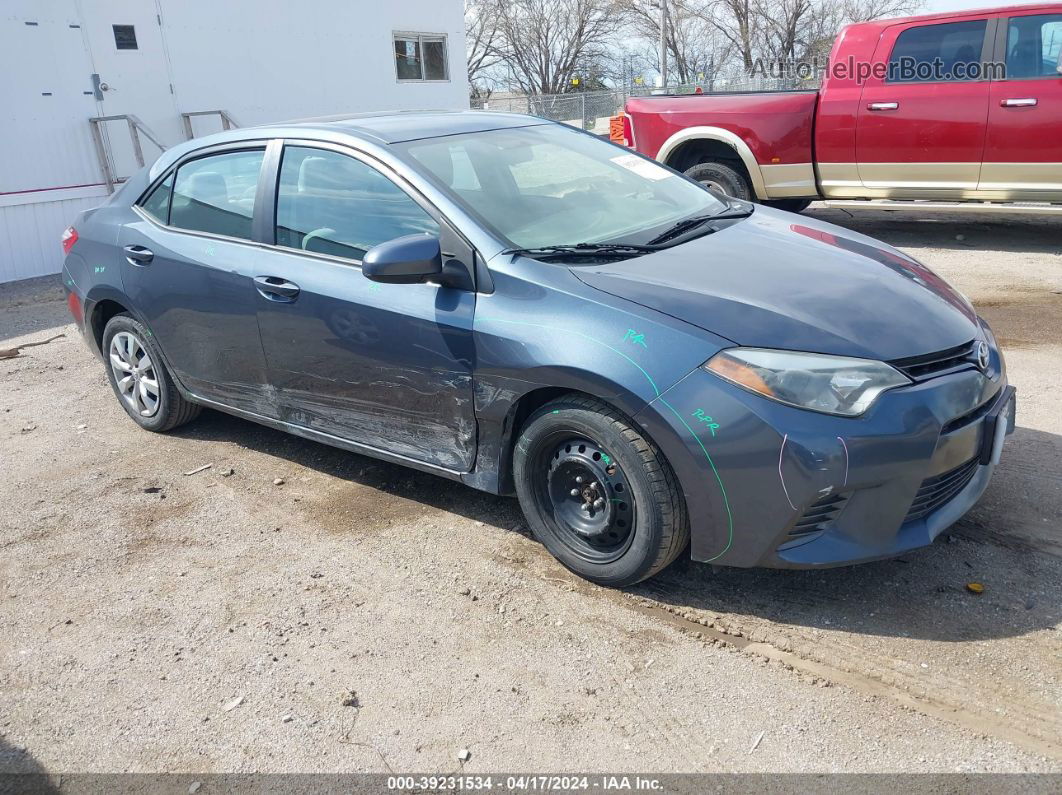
364,617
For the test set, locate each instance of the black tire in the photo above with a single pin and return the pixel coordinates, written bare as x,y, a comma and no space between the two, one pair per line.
645,525
789,205
172,409
723,178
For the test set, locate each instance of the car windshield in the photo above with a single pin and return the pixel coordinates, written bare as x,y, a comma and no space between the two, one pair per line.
547,185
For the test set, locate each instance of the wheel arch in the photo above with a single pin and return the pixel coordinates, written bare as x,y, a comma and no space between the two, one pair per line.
694,145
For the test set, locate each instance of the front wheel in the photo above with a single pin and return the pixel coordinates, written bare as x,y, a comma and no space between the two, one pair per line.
597,494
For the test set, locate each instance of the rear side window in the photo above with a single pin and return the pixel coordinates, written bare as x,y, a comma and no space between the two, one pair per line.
329,203
215,194
938,53
157,203
1034,46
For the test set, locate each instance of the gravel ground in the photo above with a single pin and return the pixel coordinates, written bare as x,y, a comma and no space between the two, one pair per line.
359,616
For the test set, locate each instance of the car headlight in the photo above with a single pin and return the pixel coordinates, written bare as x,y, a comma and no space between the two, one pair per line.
831,384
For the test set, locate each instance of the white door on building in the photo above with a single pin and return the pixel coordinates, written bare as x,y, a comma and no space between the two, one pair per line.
129,57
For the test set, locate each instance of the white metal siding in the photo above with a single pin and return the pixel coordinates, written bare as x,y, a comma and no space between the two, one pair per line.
29,236
262,62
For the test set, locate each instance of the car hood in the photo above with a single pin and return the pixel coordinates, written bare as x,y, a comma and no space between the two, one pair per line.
779,280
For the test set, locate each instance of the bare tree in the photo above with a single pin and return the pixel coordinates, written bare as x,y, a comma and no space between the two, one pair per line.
544,44
694,45
481,43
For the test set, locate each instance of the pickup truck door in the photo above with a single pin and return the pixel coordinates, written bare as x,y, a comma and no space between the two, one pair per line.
920,126
1023,149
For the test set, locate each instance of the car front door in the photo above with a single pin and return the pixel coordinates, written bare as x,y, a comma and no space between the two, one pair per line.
187,265
1023,149
383,365
920,127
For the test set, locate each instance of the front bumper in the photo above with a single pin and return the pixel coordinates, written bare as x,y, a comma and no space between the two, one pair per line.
771,485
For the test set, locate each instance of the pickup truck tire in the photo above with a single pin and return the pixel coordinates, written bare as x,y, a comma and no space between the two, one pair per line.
789,205
722,178
597,494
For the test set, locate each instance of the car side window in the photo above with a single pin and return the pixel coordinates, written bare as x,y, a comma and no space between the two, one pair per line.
216,193
1034,46
945,53
331,203
157,203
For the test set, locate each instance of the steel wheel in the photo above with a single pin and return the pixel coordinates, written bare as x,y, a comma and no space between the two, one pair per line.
590,500
134,374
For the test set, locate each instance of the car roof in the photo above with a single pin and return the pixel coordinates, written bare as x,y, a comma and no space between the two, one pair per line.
409,125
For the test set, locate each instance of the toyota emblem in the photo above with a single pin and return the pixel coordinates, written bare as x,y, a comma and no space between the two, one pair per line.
982,356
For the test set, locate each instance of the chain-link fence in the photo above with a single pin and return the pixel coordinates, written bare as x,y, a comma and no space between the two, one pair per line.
591,110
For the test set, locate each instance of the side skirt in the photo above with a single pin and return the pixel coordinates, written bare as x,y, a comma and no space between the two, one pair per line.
329,439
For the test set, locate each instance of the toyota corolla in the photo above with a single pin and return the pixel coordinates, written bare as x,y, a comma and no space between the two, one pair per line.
519,306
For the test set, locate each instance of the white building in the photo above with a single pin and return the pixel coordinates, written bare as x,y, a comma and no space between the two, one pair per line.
68,61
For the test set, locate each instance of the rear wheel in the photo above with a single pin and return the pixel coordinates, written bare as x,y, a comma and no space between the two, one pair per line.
139,378
722,178
597,494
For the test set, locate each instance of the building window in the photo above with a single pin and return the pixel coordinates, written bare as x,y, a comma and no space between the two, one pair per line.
420,56
125,37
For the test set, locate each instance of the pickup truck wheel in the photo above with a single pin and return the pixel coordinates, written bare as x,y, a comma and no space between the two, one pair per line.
789,205
597,494
722,178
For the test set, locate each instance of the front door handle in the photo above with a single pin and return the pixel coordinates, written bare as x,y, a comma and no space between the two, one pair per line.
274,288
138,255
883,106
1026,102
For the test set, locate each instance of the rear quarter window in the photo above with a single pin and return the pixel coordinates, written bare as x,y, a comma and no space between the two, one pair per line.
157,203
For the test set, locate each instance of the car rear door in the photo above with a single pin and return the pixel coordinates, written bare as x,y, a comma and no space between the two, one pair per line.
388,366
187,266
920,126
1023,149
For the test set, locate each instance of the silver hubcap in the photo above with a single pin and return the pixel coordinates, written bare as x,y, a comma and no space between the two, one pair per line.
708,183
134,373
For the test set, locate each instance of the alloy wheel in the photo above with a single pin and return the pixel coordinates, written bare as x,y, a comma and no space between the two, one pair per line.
134,374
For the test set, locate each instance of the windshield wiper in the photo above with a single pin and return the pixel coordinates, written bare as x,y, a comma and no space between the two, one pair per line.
686,224
584,250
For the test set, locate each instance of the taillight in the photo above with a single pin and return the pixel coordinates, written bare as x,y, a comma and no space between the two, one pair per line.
68,239
628,131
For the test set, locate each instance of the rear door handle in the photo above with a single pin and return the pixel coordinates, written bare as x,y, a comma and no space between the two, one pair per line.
883,106
1026,102
138,255
274,288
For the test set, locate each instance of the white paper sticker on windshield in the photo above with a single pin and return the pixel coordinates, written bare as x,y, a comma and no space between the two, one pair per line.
642,167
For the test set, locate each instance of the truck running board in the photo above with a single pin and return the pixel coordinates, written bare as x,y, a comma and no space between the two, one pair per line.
945,207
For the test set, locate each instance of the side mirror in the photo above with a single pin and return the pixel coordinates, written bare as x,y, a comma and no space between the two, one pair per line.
404,260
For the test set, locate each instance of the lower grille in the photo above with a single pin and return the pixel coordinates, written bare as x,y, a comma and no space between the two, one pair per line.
940,489
818,515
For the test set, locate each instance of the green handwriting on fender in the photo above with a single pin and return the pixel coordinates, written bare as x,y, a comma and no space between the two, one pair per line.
634,338
712,425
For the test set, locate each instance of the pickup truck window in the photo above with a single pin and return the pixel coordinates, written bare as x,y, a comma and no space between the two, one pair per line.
938,53
1034,46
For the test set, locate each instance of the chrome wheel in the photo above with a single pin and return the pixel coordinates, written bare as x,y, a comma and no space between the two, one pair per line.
711,183
134,374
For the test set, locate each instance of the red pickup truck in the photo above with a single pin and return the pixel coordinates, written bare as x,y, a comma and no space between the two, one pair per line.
959,108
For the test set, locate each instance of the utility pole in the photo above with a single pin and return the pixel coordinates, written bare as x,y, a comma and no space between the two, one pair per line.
663,43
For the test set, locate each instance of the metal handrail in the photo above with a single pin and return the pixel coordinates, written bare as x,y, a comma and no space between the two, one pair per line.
227,122
136,127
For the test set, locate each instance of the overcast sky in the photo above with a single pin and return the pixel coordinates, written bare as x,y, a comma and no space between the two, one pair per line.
958,5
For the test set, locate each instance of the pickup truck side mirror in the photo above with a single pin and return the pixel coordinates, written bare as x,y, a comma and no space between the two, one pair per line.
404,260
